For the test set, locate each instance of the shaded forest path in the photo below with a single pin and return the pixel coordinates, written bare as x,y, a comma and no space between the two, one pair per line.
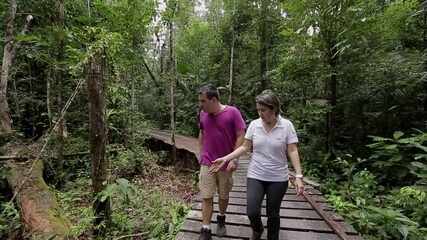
305,217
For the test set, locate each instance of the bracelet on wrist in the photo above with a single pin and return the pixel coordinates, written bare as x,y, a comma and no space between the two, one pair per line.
299,176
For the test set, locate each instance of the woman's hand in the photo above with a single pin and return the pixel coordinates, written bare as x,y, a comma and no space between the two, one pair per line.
232,166
217,165
299,186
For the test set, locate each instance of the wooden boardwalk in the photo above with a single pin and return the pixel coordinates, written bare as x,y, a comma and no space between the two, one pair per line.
299,218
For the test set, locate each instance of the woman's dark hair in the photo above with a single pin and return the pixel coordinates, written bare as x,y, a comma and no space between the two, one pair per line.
270,100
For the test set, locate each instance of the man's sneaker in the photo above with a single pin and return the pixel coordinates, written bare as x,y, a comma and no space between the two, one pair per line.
257,235
220,227
205,234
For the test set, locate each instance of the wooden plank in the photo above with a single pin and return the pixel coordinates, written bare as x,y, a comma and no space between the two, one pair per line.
289,191
195,236
240,188
284,204
292,224
285,213
244,232
288,197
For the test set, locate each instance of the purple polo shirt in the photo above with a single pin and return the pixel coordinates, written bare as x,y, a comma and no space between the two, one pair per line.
219,133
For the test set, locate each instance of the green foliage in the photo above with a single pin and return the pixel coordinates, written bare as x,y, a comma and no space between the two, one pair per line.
122,188
372,206
420,170
308,119
388,221
394,225
136,160
10,220
72,201
391,157
134,209
413,203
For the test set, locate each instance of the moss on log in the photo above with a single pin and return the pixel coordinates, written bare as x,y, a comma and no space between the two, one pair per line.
39,208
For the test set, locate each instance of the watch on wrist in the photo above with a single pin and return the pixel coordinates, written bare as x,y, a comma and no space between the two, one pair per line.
299,176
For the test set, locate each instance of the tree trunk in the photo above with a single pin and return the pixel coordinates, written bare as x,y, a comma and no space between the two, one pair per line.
264,44
424,8
233,41
156,83
8,55
97,137
59,77
48,98
39,209
172,74
331,90
230,83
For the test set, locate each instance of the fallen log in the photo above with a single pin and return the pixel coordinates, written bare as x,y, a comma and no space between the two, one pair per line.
26,158
39,208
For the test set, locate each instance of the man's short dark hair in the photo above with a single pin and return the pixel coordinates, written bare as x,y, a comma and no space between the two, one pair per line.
210,90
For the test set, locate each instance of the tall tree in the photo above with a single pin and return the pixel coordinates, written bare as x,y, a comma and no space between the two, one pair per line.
97,136
424,11
233,42
264,42
172,5
59,82
8,55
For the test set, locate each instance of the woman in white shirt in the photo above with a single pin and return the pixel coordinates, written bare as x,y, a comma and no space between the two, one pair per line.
273,139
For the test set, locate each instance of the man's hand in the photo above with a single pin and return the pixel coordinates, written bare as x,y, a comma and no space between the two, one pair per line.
217,165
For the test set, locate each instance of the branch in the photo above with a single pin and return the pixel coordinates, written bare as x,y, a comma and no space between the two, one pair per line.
6,158
150,72
132,235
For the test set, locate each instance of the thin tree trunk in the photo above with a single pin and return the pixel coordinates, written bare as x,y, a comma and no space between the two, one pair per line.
264,42
8,55
172,74
59,75
162,58
133,102
230,83
331,90
48,97
424,8
88,7
97,137
156,83
15,95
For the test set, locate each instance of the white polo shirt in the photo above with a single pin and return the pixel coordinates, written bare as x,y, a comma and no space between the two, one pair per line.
269,159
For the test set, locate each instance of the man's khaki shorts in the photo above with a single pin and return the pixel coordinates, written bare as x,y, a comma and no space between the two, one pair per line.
208,184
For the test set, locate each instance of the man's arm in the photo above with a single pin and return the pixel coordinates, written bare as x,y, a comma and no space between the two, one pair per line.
200,141
240,138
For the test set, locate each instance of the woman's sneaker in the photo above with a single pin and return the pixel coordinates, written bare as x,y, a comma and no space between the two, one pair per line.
257,235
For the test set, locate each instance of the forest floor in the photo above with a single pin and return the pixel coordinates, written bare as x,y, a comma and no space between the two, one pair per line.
149,205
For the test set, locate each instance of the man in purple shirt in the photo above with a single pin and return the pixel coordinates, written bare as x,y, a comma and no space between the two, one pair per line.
222,130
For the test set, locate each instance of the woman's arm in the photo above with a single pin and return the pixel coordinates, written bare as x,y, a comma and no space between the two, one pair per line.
296,163
219,162
294,157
